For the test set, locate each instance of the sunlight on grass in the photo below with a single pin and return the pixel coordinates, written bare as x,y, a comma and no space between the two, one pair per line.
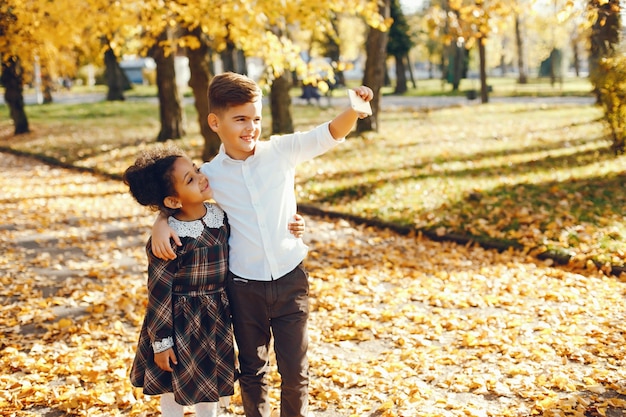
506,172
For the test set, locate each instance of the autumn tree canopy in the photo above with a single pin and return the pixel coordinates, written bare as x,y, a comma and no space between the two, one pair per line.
82,32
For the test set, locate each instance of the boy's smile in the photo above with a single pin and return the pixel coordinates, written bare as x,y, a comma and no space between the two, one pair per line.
239,128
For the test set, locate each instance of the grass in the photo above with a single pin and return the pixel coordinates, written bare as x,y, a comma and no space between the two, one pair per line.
539,176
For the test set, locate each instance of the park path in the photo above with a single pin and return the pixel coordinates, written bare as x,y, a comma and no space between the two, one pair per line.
401,326
59,230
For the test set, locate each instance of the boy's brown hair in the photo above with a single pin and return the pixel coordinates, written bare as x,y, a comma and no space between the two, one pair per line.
231,89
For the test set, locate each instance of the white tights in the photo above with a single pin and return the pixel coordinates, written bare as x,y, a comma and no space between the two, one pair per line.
170,408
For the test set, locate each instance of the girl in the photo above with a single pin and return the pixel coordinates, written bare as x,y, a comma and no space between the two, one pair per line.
185,351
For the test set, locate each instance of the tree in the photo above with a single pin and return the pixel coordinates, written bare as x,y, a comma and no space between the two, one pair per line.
471,23
54,29
519,43
267,35
374,75
12,81
280,101
604,16
399,44
32,31
112,30
11,76
233,59
455,68
116,80
198,51
279,76
609,78
170,109
457,63
431,36
332,48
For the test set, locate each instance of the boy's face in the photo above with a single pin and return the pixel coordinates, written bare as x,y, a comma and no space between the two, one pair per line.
239,128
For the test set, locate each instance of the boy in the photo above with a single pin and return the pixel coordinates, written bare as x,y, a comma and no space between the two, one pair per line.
253,182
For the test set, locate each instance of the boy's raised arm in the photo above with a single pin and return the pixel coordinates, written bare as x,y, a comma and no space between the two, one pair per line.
161,234
341,125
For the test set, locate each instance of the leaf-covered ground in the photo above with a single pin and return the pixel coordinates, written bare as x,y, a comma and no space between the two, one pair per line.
400,325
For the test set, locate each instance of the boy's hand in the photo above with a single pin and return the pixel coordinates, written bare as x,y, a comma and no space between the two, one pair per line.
366,94
161,234
165,359
164,250
297,226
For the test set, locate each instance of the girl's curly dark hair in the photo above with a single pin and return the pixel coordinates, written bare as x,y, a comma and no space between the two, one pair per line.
150,177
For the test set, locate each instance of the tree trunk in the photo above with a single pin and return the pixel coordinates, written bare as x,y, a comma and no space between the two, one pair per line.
280,105
387,79
374,74
200,70
503,60
241,64
228,61
115,77
233,59
12,80
457,65
410,67
47,86
401,87
576,56
484,92
605,35
169,100
552,67
519,41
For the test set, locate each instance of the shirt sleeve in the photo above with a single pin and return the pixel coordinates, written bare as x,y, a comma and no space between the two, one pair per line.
304,146
159,314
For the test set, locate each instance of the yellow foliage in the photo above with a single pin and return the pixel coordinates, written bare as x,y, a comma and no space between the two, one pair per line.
58,31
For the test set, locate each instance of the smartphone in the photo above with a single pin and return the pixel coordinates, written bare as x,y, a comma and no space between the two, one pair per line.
358,104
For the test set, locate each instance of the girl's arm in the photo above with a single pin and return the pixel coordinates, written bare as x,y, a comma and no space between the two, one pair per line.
159,314
161,234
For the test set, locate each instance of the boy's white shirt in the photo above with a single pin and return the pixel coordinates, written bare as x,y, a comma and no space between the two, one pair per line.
259,198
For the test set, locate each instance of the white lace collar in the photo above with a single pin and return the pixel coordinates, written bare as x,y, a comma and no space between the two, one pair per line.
213,218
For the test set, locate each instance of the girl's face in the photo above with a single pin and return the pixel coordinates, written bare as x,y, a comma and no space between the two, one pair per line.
192,187
239,128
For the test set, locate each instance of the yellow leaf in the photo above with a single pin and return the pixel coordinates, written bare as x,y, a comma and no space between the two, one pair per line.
387,405
64,323
107,398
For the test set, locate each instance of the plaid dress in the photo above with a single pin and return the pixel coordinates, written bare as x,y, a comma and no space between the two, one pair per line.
187,302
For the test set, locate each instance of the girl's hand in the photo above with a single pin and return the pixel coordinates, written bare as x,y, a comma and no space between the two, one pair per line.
297,226
165,359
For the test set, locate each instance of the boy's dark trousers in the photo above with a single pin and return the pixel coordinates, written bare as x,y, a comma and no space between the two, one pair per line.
278,308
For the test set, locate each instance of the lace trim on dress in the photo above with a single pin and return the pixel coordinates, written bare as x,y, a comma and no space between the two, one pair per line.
213,218
163,345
